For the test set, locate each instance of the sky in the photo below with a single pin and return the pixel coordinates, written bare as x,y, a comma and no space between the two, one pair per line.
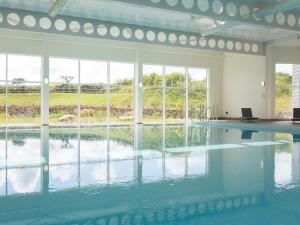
195,73
29,68
284,68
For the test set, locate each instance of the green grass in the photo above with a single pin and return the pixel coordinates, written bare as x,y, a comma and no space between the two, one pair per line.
152,99
283,103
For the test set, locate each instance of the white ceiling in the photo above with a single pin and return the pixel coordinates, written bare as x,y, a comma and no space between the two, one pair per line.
146,16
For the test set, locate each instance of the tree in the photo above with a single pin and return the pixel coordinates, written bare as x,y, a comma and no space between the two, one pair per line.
152,79
175,80
283,84
18,81
67,79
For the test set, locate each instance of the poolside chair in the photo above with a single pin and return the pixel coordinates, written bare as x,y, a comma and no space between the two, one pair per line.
247,115
296,115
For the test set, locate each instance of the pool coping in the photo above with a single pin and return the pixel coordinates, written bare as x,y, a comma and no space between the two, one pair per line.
250,126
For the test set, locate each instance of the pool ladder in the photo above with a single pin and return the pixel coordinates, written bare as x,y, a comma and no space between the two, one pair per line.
208,113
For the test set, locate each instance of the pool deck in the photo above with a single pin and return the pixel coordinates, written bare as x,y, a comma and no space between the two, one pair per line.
260,125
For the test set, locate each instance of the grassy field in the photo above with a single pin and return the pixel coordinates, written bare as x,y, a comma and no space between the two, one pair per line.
283,103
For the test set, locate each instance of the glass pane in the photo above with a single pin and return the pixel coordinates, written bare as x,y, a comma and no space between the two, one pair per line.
175,77
197,78
64,71
93,104
2,67
196,102
152,76
121,92
93,72
2,103
24,68
153,105
287,89
121,104
93,94
24,103
63,111
121,74
175,105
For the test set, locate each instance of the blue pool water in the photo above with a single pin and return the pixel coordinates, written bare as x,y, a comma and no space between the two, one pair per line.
149,175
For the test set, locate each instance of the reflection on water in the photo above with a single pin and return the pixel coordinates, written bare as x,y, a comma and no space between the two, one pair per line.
143,174
76,158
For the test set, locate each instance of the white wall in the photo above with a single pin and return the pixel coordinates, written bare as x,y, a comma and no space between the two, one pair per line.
242,85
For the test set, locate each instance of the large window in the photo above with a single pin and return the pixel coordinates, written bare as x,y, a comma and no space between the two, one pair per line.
97,92
173,94
79,91
20,89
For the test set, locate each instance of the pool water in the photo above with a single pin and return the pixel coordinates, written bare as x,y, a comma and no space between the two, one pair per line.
149,175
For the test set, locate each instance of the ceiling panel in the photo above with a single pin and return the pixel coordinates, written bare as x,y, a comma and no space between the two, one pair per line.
146,16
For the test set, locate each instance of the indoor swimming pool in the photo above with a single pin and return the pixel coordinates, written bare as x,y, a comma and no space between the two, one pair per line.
133,175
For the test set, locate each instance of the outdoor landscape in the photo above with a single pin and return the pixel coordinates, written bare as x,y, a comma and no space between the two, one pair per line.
283,95
24,99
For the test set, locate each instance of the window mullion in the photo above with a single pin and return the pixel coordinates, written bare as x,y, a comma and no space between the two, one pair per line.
186,95
78,94
108,95
164,95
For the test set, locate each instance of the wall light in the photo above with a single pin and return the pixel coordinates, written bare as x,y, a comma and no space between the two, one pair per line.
263,83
